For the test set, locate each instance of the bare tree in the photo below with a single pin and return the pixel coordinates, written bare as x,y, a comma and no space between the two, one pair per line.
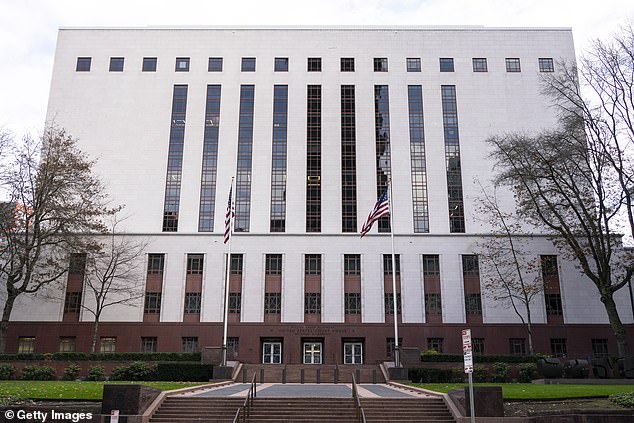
53,195
511,274
111,277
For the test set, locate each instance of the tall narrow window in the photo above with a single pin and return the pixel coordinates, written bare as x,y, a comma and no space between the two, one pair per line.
382,139
552,290
452,159
193,287
245,153
153,287
313,159
272,287
312,288
74,287
388,285
431,282
210,160
472,295
352,288
235,287
417,156
278,166
175,159
348,160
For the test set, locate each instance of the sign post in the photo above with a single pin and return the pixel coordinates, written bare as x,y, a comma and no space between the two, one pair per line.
468,367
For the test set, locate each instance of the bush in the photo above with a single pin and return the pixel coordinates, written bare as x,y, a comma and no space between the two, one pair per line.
96,373
38,373
499,373
528,372
430,375
135,371
624,400
453,358
120,356
480,373
6,371
184,372
71,372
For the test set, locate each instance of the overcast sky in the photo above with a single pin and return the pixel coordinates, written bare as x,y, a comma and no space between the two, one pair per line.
28,28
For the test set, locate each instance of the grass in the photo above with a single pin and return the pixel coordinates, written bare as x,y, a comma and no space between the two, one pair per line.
72,390
529,391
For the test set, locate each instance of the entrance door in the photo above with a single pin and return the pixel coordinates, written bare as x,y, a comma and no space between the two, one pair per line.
353,353
271,352
312,352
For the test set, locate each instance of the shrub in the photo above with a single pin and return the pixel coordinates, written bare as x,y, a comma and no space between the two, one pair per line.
120,356
453,358
184,372
624,400
96,373
480,373
32,372
500,372
430,375
71,372
6,371
528,372
135,371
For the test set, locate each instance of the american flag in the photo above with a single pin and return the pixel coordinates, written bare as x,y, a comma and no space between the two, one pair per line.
228,216
381,208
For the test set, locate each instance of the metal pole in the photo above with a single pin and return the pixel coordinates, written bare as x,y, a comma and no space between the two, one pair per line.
227,275
471,401
397,358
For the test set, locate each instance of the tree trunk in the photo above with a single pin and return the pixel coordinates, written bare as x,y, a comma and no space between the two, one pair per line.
95,328
4,325
615,323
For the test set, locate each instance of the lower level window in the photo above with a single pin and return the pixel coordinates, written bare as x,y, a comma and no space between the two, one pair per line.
434,344
108,344
67,344
26,344
149,344
558,347
517,346
271,352
233,345
600,347
353,353
190,344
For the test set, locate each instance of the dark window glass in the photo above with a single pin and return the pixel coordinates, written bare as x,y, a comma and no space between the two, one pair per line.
72,302
479,64
433,304
313,159
452,159
273,264
155,263
67,344
352,264
600,348
387,264
195,264
215,64
470,265
446,64
83,64
347,64
413,64
380,64
431,265
236,264
549,267
108,344
553,304
312,264
435,344
513,64
77,264
281,64
26,344
235,302
389,303
248,64
279,163
245,153
517,346
417,159
209,160
182,64
314,64
189,344
116,64
152,303
272,303
149,64
558,347
192,303
233,345
382,147
477,345
149,344
352,303
312,303
546,64
473,304
348,160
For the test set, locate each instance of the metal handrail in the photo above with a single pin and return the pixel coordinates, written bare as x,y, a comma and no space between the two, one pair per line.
360,414
245,410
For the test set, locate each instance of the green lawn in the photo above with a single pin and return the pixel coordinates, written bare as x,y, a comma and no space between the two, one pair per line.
72,390
527,391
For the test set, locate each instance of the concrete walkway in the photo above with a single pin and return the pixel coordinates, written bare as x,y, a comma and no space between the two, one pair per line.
309,390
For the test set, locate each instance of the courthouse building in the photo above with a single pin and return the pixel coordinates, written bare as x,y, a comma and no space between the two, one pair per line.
311,122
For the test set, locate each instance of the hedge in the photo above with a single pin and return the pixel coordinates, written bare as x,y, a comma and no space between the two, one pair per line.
184,372
117,356
455,358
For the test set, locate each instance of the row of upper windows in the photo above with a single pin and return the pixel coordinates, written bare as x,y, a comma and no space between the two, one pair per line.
413,64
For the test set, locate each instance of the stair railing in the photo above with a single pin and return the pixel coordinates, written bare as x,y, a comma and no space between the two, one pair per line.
359,413
245,410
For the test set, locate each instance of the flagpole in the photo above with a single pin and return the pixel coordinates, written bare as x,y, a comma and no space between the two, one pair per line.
397,358
227,276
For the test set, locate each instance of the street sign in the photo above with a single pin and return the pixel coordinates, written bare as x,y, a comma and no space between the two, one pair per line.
467,351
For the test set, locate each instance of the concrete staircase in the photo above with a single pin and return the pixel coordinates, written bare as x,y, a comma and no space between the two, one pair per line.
298,373
406,410
180,409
